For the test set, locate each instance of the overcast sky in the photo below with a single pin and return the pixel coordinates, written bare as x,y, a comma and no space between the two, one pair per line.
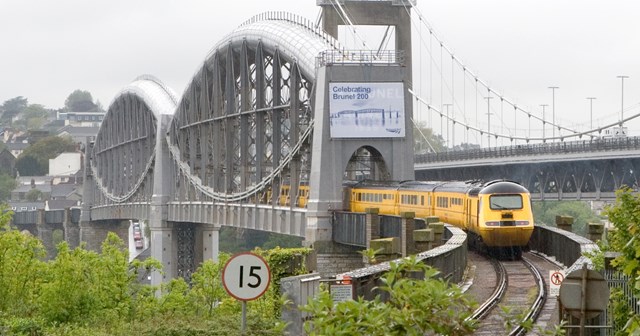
51,48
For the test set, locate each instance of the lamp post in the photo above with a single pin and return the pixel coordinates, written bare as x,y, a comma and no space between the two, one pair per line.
488,120
622,77
553,108
543,122
591,103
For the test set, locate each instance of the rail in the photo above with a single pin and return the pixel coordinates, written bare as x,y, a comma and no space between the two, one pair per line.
557,148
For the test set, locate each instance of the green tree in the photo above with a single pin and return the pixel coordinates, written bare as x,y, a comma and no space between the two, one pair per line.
12,107
29,165
425,141
33,195
625,216
546,212
207,291
81,101
34,160
34,117
20,269
415,307
7,184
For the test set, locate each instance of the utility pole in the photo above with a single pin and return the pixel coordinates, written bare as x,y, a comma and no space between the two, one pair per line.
591,103
553,108
622,77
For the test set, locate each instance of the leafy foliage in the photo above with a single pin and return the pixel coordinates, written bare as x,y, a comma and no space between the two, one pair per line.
84,292
546,212
34,160
7,184
425,141
33,117
81,101
625,216
12,107
415,307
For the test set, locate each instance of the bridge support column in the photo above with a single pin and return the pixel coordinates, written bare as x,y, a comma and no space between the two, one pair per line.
207,248
71,230
95,233
164,248
45,234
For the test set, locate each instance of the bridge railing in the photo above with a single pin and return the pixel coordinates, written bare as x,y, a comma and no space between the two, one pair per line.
373,57
565,246
583,146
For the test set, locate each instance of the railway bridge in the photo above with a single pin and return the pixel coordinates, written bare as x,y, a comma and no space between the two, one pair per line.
266,109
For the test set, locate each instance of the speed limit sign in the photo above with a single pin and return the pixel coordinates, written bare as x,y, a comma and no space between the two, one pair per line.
246,276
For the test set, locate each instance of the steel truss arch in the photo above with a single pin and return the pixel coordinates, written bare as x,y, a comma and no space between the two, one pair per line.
243,125
124,150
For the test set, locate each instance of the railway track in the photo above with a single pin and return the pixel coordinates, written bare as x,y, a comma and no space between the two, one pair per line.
512,291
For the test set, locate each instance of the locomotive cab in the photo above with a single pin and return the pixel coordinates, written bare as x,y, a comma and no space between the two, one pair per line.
504,214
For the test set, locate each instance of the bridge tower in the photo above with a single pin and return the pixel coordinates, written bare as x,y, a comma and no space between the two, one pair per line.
362,116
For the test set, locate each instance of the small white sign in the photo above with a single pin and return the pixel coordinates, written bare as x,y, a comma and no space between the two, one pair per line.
246,276
341,293
555,280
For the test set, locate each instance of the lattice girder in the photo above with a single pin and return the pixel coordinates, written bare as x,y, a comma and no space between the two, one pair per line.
244,123
123,154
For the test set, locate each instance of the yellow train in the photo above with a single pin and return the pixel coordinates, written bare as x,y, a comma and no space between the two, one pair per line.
496,214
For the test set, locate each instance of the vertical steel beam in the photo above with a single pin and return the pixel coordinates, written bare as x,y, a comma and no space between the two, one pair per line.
260,119
245,106
276,120
230,108
216,132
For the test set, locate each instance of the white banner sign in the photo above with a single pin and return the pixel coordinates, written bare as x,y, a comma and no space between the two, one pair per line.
366,110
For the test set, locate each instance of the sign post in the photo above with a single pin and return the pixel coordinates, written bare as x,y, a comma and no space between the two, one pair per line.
555,281
246,276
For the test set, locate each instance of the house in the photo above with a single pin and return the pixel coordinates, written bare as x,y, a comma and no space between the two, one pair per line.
28,183
16,148
79,134
82,119
65,164
18,206
7,162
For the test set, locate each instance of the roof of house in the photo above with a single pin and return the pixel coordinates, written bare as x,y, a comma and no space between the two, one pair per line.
45,188
61,204
28,205
63,189
79,131
17,145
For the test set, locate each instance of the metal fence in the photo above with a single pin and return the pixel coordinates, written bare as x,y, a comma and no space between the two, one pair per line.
349,228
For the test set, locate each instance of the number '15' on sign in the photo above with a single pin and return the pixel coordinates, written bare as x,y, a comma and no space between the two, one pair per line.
246,276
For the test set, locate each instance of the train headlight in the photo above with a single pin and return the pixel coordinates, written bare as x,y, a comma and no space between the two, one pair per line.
492,223
522,223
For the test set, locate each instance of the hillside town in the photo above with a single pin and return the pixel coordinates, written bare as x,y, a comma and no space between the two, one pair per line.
42,151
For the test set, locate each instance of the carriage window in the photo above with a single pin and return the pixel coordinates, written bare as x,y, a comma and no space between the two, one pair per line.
422,200
505,202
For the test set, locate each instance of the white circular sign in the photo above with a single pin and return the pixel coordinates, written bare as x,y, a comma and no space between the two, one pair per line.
246,276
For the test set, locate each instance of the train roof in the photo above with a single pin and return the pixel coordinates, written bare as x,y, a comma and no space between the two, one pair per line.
471,187
503,187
